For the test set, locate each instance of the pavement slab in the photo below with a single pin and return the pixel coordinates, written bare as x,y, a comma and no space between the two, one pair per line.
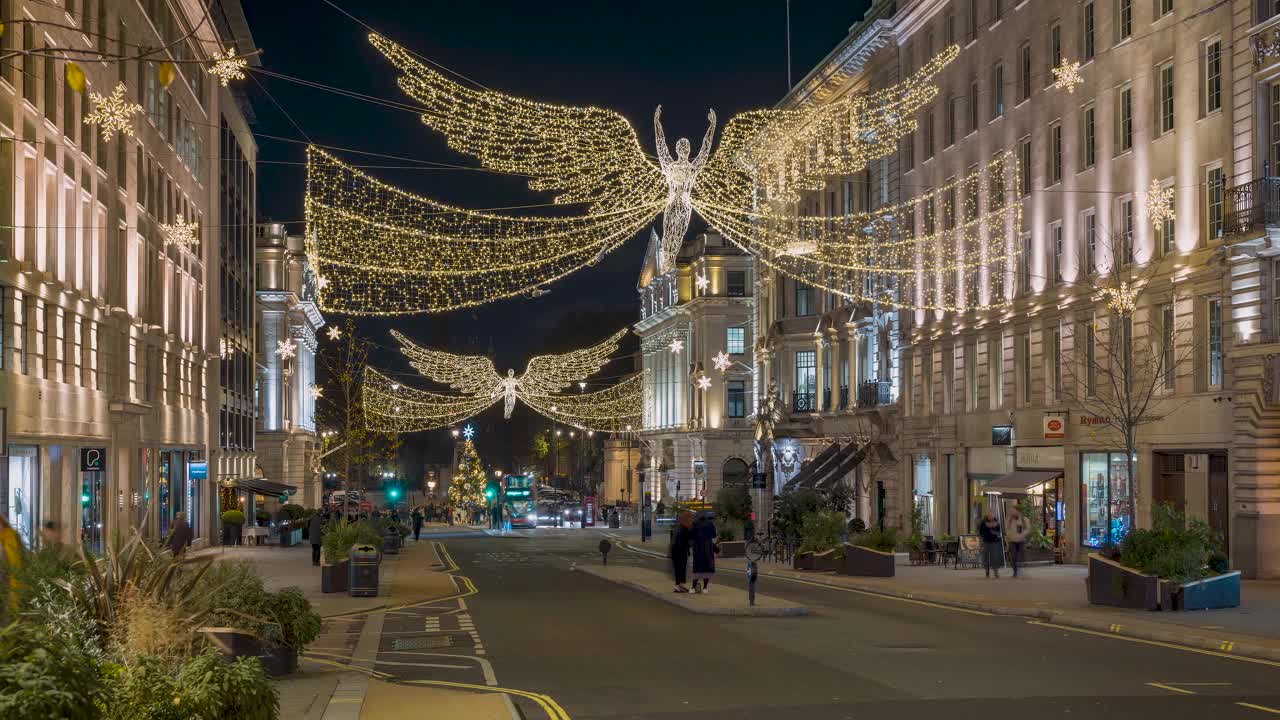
722,600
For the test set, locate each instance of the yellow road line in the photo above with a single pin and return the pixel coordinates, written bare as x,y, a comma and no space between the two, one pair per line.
1171,688
344,666
546,702
1157,643
1263,708
832,586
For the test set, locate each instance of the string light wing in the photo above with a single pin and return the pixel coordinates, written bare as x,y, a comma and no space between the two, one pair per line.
548,374
1160,204
392,407
610,410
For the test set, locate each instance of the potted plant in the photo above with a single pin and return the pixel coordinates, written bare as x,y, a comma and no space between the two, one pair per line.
253,622
232,523
870,553
335,543
727,534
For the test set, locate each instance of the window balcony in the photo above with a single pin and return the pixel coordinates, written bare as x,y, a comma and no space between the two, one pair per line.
803,402
874,393
1253,206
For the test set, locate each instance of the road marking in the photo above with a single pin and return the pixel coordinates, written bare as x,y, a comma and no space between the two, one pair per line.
1263,708
839,588
1227,646
548,705
1157,643
425,665
1171,688
486,667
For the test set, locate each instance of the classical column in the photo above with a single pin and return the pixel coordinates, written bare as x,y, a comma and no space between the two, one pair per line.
818,367
833,340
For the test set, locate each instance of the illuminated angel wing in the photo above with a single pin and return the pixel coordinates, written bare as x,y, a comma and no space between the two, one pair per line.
548,374
391,407
471,374
583,154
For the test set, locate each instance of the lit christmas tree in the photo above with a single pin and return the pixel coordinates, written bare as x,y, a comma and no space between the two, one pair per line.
467,489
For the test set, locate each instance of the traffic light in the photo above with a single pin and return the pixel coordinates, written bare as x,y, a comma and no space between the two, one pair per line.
490,493
394,493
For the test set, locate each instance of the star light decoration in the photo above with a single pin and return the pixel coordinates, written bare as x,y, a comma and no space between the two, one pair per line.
676,345
703,282
1160,204
180,233
387,251
334,332
468,432
721,361
113,113
316,392
703,382
286,349
1067,76
227,67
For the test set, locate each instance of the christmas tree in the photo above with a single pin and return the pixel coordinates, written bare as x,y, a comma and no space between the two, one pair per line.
467,488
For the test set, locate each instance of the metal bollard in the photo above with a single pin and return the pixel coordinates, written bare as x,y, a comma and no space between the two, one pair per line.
752,572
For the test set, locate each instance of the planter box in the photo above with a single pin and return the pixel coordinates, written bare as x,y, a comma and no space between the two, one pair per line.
802,561
278,660
1110,583
733,549
233,643
333,578
231,534
1221,591
865,562
1037,556
826,561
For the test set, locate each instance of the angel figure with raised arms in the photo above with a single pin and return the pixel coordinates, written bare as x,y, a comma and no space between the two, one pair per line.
680,174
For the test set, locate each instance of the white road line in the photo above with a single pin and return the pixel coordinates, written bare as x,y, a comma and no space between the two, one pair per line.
425,665
485,666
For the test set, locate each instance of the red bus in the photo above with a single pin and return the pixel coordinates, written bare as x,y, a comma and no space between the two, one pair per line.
520,497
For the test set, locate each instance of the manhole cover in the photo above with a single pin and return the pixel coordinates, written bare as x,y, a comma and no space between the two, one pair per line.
422,643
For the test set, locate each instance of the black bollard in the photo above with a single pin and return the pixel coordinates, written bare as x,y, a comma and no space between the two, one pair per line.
752,572
605,547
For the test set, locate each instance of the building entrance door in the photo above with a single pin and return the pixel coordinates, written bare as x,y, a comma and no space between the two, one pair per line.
1170,481
1218,498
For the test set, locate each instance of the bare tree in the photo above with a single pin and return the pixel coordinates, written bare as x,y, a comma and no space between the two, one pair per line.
873,440
1121,379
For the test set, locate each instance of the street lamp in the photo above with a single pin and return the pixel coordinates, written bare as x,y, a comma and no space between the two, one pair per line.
431,487
454,432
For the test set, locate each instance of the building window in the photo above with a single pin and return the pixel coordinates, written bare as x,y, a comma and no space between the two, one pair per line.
1025,351
1055,242
735,398
995,353
50,89
922,490
1024,265
1165,230
1089,25
806,373
953,112
927,122
1090,241
1166,97
951,30
973,106
1055,153
1090,359
1055,46
971,376
735,340
997,91
1124,19
1024,72
1126,230
1124,120
1214,188
1056,354
804,300
1166,346
1024,167
949,205
1213,76
1090,144
908,150
1106,499
1163,7
736,283
1215,342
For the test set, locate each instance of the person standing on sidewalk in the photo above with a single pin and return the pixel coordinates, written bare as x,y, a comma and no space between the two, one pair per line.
417,523
1016,530
680,543
315,527
181,536
992,549
704,552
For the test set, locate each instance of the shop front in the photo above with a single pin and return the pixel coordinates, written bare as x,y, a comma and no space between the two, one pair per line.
922,491
93,498
1106,498
20,491
985,465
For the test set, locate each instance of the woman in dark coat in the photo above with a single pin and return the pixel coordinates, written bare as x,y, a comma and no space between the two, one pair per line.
992,544
681,540
704,552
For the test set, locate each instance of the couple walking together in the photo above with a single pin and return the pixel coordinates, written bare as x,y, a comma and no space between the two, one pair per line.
699,536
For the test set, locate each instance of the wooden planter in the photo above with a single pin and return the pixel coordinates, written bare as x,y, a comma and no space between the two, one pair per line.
825,561
802,561
1221,591
333,578
866,562
733,549
1110,583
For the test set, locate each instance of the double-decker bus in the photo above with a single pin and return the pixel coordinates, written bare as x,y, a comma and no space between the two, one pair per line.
520,496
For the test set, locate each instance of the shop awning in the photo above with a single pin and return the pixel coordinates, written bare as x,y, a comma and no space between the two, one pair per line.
262,486
1019,482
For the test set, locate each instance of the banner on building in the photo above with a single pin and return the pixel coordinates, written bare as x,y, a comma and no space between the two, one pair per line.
1055,427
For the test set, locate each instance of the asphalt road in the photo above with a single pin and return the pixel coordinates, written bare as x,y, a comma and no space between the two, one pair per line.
603,651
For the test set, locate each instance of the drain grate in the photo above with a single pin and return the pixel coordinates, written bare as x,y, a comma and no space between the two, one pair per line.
427,642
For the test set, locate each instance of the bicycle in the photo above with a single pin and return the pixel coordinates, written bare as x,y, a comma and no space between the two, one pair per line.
769,547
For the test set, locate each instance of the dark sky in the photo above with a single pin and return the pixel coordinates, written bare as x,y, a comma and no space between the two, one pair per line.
628,56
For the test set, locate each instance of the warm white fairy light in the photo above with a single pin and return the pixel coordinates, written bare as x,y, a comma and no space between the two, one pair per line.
227,67
322,282
334,332
1122,299
224,348
180,233
702,281
703,382
286,349
1160,204
317,392
113,113
1067,76
676,345
721,361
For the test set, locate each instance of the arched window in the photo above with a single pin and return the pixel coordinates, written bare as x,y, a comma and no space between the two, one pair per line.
735,472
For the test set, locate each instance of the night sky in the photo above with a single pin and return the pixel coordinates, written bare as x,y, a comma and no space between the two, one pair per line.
628,56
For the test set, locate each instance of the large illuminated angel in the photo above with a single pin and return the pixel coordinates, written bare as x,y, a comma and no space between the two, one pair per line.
384,251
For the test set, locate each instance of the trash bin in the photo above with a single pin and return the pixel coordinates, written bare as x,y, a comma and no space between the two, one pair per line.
613,518
362,578
391,540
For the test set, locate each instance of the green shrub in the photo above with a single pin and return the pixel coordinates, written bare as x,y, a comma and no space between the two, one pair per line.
790,508
295,511
238,599
297,622
857,525
232,517
45,675
729,530
340,536
733,502
820,531
1172,548
204,687
882,539
44,568
915,541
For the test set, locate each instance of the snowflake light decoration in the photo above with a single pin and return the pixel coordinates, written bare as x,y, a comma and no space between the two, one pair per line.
286,349
228,67
703,282
180,233
322,282
1122,300
1160,204
1067,76
317,392
334,332
703,382
113,113
721,361
677,345
468,432
223,347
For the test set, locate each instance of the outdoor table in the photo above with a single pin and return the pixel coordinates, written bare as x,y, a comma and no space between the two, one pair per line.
258,534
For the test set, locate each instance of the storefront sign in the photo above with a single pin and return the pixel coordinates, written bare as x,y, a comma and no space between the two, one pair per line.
93,459
1093,420
1002,435
1055,427
1040,458
198,470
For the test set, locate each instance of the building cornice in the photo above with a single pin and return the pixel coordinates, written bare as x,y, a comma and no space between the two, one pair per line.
848,59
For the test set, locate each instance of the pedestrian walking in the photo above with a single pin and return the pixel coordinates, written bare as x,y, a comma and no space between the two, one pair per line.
992,548
704,552
681,542
417,523
1016,530
315,527
181,536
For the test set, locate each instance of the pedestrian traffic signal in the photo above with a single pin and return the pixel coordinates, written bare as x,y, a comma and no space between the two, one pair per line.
394,493
490,493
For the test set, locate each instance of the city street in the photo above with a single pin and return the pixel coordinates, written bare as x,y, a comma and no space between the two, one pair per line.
600,650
